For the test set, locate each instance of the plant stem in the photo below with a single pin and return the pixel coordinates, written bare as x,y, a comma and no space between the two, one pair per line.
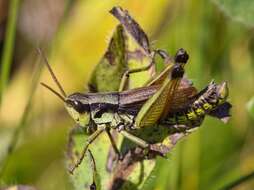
239,181
8,45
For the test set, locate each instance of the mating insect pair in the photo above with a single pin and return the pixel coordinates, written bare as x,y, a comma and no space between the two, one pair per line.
155,103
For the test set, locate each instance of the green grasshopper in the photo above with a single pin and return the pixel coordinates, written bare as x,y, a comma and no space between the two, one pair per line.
123,111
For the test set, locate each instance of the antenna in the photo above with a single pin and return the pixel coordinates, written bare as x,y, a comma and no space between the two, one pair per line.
52,90
52,75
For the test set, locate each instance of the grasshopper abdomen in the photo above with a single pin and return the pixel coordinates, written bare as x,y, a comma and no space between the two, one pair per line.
204,103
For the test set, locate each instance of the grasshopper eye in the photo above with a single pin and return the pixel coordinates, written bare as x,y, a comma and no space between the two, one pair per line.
76,103
78,106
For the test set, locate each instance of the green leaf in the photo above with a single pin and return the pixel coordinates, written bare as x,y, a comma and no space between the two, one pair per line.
83,175
107,74
242,11
137,48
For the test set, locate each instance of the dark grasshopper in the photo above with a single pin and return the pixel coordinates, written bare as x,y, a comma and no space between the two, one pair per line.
133,109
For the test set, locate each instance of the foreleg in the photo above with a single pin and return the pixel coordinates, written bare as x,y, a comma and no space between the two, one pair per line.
90,139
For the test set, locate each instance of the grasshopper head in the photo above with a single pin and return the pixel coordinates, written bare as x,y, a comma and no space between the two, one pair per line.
76,104
78,107
223,92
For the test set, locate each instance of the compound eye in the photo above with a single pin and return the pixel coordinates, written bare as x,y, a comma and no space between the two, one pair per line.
76,103
78,106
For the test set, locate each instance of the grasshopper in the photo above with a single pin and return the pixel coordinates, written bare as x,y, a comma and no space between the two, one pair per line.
128,110
123,111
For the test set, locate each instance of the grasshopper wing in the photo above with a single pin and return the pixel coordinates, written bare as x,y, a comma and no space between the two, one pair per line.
183,95
159,104
185,92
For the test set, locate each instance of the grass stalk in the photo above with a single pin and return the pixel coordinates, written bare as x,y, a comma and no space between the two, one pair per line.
8,45
23,121
239,181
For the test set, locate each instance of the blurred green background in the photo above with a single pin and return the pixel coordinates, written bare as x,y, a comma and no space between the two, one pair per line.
218,36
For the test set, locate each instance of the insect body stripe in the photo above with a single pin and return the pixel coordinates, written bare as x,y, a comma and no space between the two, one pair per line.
206,102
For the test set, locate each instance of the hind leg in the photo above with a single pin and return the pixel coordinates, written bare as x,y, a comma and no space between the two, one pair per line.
126,75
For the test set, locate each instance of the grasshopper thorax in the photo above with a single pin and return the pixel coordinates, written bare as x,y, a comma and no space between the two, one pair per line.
77,105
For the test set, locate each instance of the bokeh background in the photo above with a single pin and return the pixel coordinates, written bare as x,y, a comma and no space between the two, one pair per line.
219,37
